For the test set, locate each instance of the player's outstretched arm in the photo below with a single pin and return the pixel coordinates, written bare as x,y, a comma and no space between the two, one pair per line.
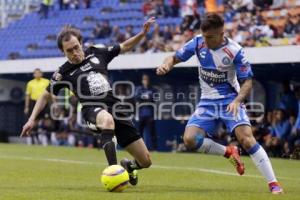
167,65
38,107
131,42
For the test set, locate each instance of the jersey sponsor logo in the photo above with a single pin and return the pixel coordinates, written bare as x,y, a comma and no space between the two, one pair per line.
95,60
86,67
97,83
213,77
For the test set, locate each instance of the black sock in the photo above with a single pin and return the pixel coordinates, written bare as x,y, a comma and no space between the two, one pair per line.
132,165
109,146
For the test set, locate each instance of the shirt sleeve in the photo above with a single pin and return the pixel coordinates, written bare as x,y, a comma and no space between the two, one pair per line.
187,51
107,52
242,65
56,83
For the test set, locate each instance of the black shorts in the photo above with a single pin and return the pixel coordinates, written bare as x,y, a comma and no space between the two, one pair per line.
125,130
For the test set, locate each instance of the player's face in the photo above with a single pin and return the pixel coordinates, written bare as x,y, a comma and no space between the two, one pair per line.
73,50
213,38
145,80
37,74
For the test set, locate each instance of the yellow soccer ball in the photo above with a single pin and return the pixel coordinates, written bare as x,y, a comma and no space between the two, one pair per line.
115,178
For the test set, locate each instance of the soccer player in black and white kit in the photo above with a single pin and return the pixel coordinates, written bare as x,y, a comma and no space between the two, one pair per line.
86,74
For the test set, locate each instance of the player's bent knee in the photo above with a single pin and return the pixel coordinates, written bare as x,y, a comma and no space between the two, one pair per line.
247,142
193,141
189,141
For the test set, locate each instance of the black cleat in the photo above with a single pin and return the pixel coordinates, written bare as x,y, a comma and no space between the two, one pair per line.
133,177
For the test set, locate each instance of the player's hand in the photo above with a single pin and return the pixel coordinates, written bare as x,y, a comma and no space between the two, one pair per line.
147,25
162,69
27,128
233,108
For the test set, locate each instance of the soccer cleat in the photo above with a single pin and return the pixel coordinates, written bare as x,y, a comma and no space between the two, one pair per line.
133,177
233,155
275,188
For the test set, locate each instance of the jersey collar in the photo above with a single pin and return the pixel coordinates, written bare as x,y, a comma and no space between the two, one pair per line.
223,44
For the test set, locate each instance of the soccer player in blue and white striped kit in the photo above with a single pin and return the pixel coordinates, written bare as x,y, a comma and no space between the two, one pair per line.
222,65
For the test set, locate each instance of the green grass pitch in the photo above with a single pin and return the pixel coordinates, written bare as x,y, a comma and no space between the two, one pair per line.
61,173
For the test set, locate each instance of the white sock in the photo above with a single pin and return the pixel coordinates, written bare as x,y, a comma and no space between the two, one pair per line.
211,147
262,162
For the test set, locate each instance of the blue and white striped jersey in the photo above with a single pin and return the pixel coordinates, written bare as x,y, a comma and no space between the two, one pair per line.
219,69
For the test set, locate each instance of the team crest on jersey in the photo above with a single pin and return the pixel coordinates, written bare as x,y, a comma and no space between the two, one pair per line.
95,60
226,60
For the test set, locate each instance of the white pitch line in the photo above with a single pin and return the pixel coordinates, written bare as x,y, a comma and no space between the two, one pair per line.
51,160
153,166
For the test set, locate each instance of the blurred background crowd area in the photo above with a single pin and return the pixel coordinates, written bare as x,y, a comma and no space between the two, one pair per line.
30,27
277,128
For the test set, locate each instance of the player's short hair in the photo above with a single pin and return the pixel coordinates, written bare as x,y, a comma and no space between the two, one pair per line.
212,21
65,35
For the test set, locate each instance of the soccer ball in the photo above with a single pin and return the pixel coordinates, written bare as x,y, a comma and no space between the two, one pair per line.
115,178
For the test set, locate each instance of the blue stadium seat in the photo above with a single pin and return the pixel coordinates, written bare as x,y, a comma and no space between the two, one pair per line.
33,30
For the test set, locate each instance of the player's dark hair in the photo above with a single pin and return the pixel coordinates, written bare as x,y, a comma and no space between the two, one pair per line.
65,35
212,21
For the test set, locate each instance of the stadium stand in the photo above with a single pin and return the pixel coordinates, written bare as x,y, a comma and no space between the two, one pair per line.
34,37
